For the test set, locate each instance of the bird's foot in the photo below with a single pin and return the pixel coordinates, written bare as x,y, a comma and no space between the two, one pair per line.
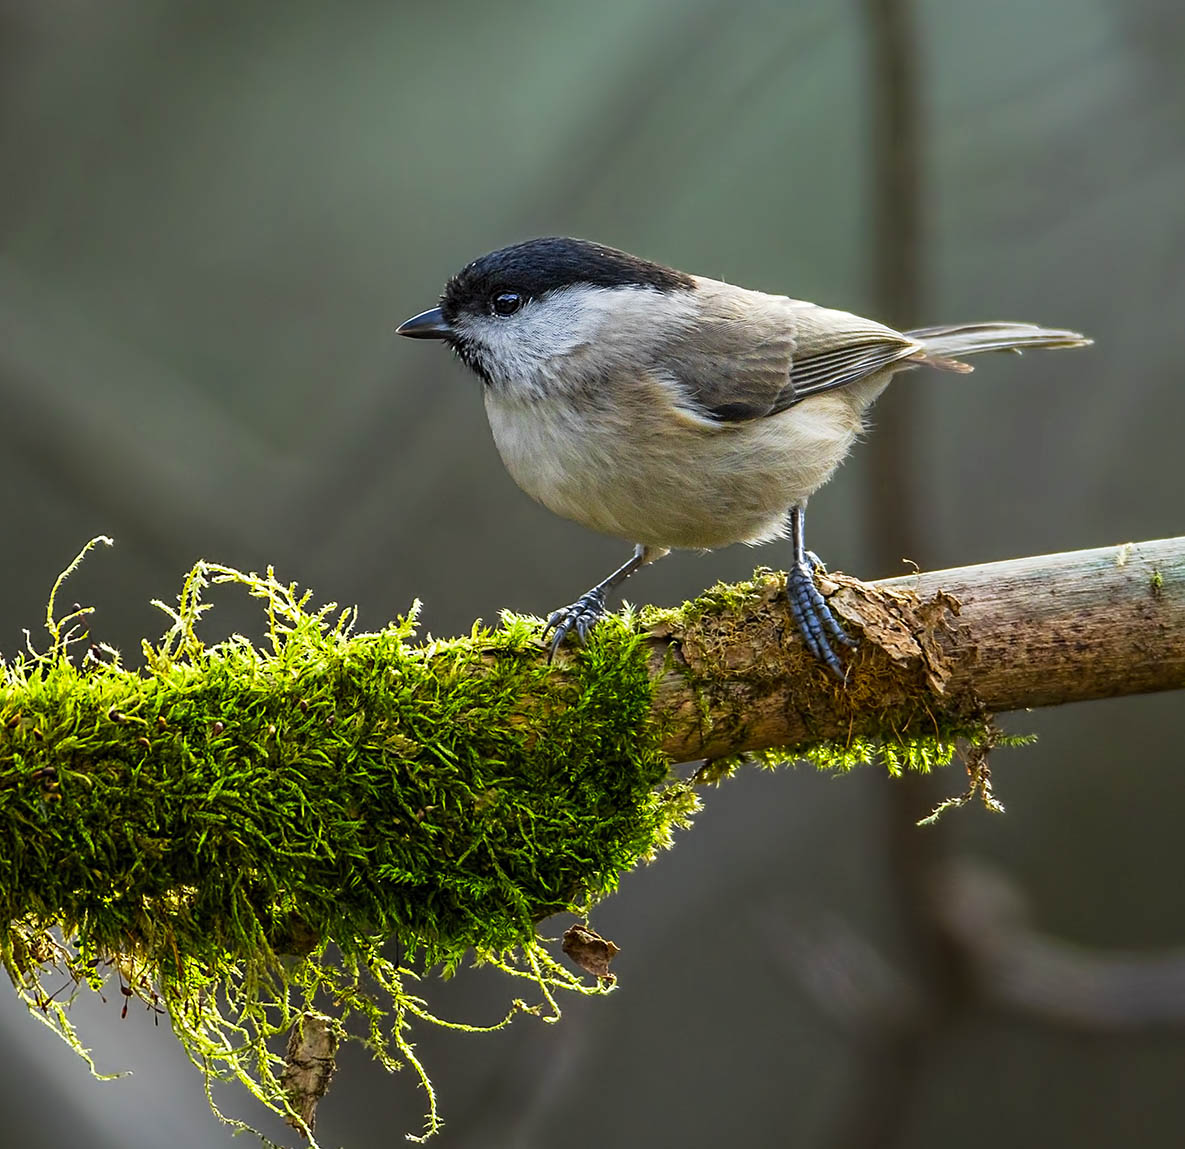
578,617
816,623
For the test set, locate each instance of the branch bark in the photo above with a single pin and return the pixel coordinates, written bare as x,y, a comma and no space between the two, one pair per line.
935,649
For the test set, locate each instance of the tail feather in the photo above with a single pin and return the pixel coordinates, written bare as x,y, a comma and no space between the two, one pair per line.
945,345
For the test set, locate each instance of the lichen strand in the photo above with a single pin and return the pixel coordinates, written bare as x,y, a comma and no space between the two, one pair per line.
196,821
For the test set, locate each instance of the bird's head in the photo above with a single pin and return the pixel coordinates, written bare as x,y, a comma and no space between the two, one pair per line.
517,316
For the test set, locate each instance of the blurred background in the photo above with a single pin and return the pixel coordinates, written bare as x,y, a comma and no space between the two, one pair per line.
212,216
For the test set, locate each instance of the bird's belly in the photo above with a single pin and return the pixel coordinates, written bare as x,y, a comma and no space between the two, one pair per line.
684,484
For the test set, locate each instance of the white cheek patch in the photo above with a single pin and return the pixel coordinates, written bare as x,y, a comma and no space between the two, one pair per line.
523,349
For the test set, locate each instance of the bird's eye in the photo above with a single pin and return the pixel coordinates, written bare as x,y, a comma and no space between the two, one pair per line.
506,302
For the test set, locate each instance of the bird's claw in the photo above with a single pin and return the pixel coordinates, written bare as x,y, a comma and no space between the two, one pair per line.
578,617
816,623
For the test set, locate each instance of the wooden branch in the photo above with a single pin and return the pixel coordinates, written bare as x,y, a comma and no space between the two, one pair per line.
190,820
935,649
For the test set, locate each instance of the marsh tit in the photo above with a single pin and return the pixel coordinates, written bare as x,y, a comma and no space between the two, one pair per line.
670,410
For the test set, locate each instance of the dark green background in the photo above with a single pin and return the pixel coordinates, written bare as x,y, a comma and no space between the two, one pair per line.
211,218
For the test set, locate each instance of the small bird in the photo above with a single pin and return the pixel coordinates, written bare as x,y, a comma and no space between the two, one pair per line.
674,411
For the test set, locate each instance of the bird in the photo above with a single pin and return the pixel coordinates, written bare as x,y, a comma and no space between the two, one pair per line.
675,411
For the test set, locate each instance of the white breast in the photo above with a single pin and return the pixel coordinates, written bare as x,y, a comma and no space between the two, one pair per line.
665,478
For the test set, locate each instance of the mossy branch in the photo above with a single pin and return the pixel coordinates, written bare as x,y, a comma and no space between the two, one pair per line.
207,825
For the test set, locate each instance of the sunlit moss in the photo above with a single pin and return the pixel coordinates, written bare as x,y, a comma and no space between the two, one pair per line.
209,824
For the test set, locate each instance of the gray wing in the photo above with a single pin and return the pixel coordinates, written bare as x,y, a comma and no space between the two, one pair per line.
759,354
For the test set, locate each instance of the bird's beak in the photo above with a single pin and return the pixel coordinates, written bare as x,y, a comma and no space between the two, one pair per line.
427,325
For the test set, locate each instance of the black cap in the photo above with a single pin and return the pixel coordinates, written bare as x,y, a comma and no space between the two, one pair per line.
538,266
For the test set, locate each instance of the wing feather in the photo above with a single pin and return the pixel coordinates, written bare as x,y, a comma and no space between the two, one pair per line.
752,355
733,359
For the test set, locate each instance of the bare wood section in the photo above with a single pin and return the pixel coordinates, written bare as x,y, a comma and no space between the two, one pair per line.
935,649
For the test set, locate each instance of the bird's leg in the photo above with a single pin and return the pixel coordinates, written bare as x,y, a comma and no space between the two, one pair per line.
815,620
590,606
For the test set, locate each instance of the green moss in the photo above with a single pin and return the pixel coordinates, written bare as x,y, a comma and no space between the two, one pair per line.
916,755
209,824
722,598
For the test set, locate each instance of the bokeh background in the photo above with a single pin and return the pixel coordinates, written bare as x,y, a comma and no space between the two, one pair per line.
212,216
